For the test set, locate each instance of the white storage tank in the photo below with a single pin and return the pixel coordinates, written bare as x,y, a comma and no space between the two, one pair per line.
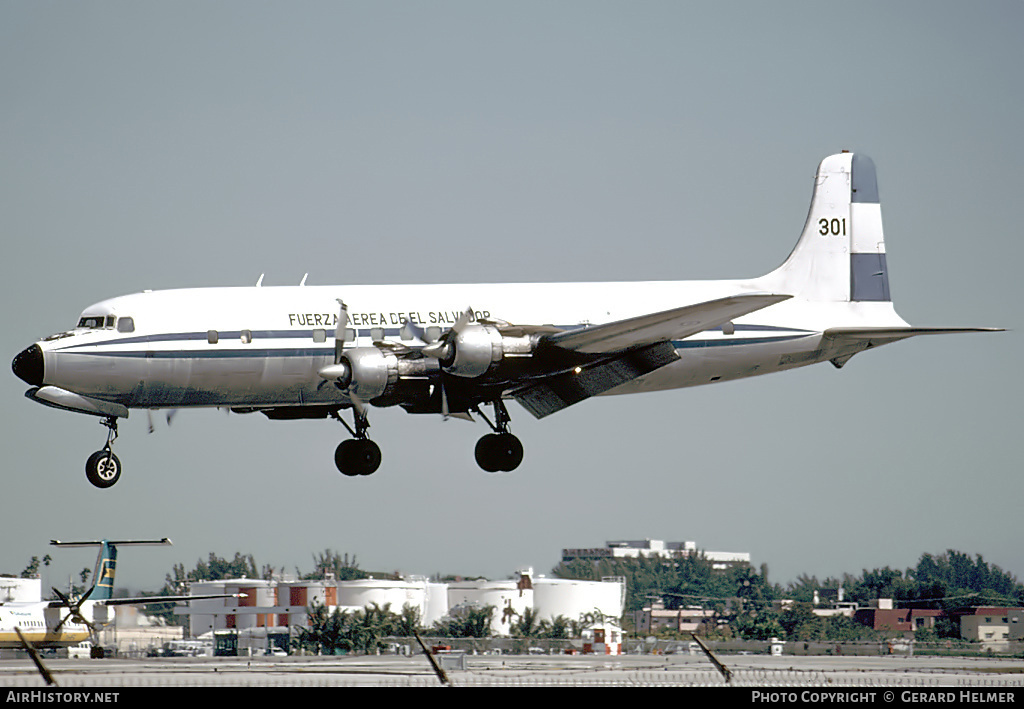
366,592
573,598
437,603
507,597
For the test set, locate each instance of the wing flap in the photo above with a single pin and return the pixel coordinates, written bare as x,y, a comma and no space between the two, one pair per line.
559,391
674,324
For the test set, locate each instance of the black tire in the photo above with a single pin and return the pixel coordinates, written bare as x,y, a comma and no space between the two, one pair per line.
368,455
485,455
103,469
357,457
509,451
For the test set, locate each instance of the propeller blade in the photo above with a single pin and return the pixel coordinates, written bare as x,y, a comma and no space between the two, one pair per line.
463,320
340,331
168,417
64,599
436,350
357,403
411,329
442,348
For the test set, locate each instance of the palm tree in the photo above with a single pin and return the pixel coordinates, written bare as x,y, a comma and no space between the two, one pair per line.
526,626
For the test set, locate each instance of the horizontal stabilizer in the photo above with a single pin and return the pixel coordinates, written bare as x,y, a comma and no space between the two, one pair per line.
151,600
874,336
842,343
674,324
113,542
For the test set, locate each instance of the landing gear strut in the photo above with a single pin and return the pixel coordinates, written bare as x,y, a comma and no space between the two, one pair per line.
498,451
358,455
103,468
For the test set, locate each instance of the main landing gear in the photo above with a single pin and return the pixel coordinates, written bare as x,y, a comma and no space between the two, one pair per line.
103,468
358,455
495,452
499,451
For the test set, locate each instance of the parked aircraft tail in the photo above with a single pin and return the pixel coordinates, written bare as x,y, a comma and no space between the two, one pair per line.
106,562
840,256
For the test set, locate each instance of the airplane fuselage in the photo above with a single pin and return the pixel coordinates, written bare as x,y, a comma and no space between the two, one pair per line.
38,623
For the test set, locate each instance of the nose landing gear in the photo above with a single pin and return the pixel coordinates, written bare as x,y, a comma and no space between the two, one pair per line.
103,467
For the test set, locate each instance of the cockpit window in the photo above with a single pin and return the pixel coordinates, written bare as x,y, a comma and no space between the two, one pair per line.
94,321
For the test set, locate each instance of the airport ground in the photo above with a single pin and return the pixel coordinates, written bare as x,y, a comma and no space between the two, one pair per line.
525,671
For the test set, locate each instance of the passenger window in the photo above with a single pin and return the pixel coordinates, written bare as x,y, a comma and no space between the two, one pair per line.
246,337
126,324
433,333
319,335
377,334
350,334
212,337
728,328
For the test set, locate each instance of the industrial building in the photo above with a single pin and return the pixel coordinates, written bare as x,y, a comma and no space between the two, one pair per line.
720,560
269,609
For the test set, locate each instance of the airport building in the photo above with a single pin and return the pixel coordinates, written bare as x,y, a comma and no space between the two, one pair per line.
992,626
18,590
720,560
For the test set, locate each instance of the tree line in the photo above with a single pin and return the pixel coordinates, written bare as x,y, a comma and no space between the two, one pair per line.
745,603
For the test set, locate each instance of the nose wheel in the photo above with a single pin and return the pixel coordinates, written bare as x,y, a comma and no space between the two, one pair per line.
500,451
103,468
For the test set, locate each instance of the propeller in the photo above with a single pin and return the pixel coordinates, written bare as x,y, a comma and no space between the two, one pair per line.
340,331
168,417
341,372
75,610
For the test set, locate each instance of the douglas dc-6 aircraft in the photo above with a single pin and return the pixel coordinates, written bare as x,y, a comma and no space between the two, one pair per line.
65,622
312,352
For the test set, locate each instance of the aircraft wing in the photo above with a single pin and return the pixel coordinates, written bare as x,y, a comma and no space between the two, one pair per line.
674,324
621,351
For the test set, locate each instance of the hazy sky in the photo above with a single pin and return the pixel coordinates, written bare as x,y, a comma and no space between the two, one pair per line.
162,145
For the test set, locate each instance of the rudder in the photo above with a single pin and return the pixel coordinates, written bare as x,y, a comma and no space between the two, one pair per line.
106,567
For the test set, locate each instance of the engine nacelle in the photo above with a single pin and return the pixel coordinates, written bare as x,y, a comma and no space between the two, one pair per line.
477,349
372,372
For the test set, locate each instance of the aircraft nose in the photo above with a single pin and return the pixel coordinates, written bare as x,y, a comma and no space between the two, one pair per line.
28,365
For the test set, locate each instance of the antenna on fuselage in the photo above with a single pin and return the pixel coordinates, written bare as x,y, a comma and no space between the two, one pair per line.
303,281
259,283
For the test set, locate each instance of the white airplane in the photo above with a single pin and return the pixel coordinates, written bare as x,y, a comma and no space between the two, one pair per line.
312,352
66,622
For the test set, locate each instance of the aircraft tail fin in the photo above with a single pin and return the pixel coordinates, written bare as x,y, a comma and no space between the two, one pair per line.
840,256
106,562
